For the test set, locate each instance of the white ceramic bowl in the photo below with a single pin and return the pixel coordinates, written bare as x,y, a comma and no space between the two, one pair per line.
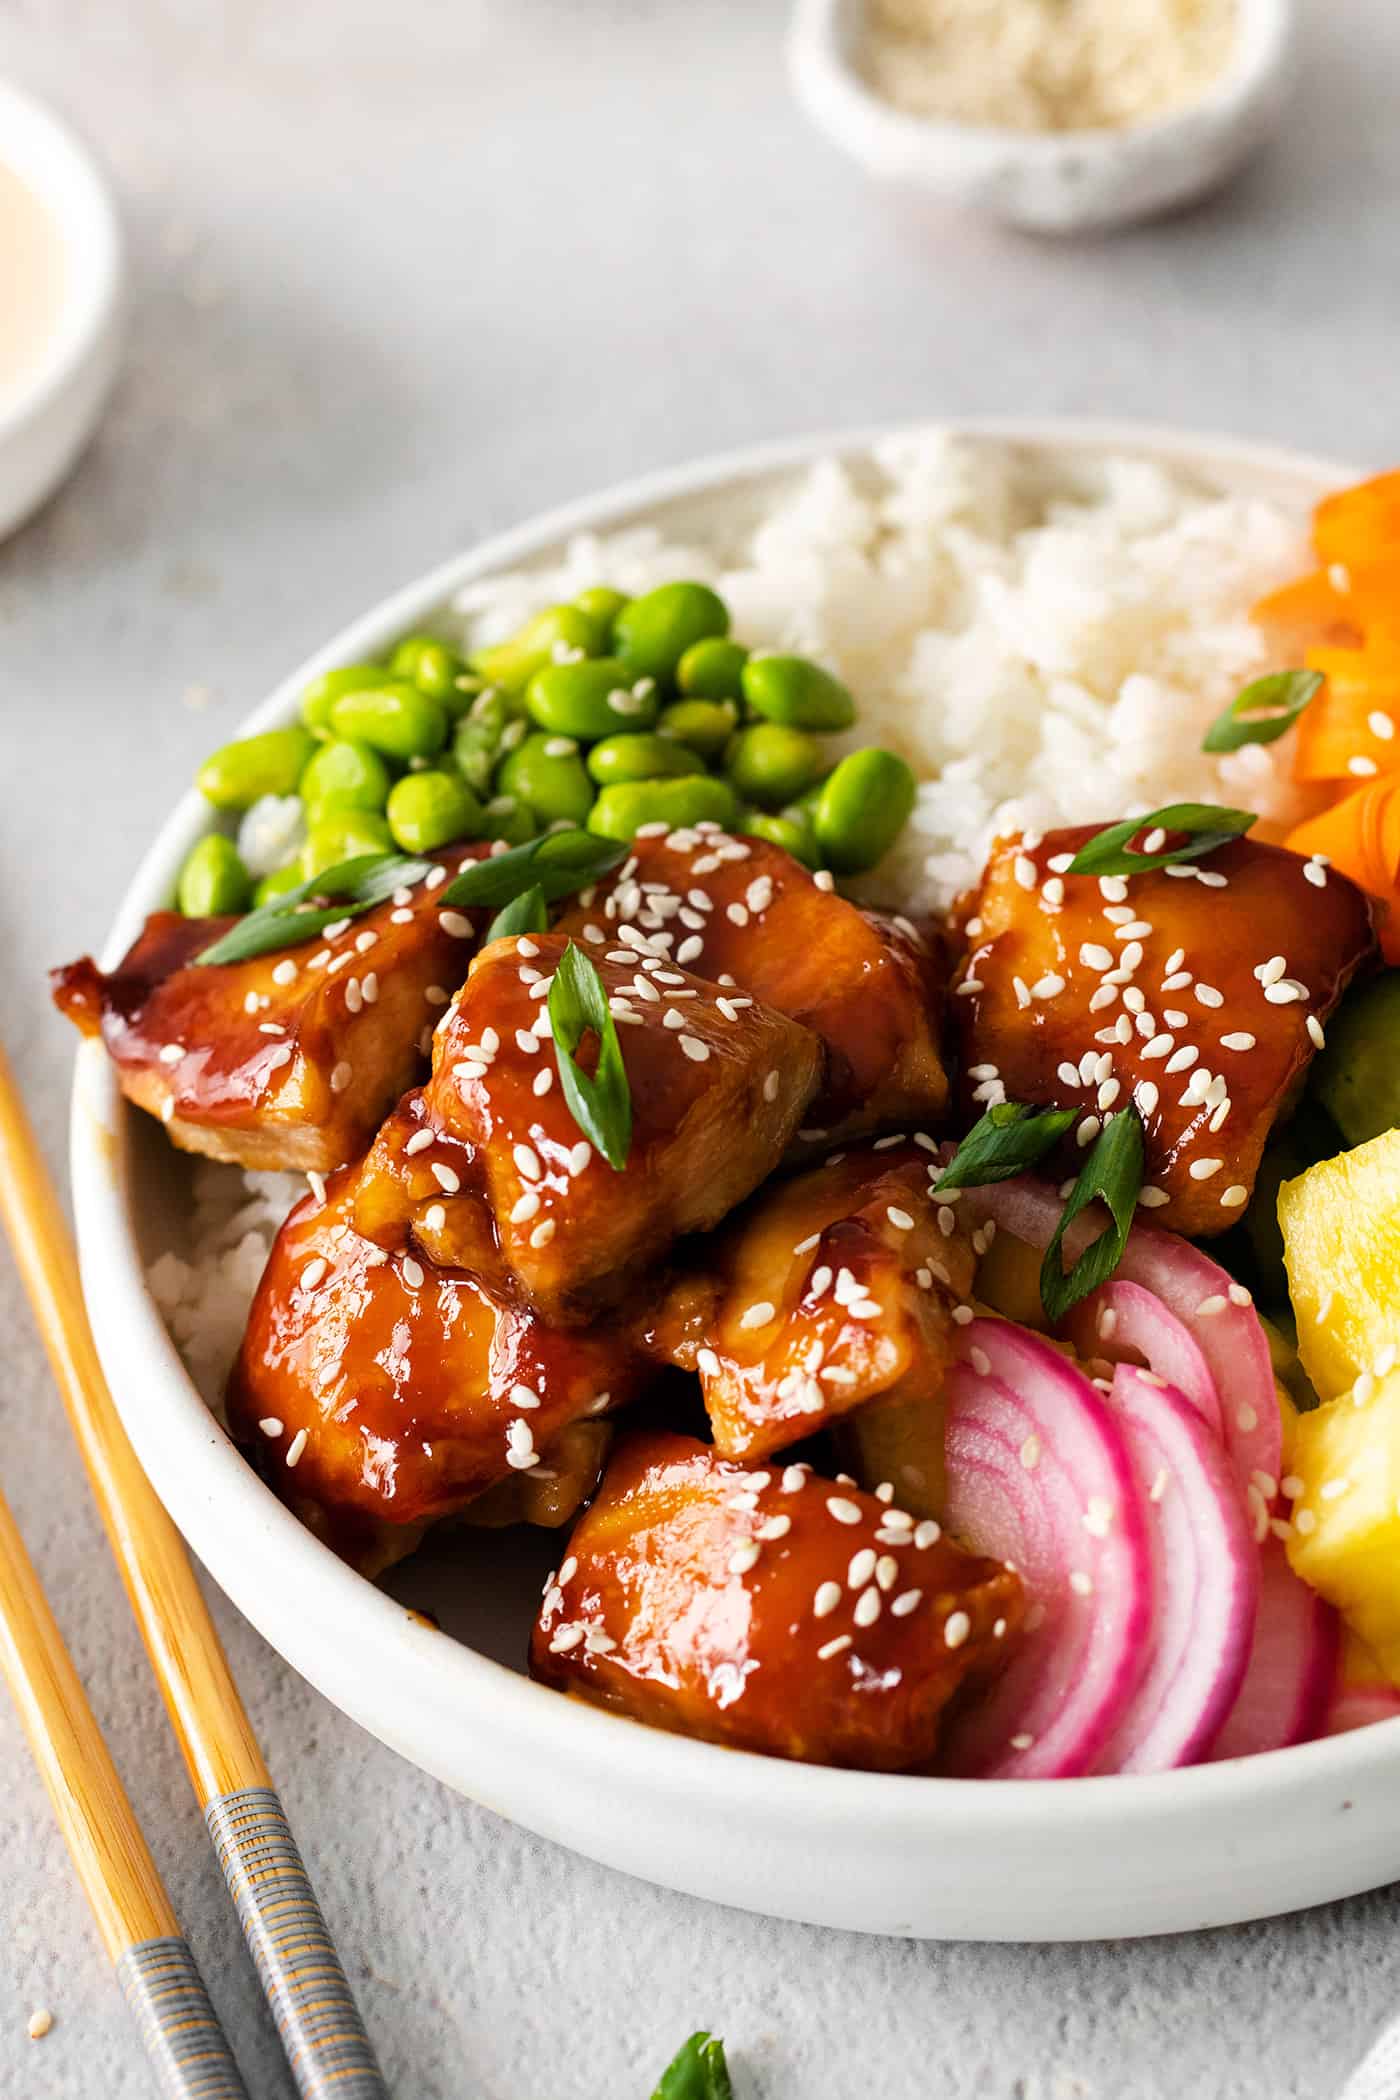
936,1858
1047,182
46,423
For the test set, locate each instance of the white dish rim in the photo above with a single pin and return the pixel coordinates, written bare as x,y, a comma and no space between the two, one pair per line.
231,1519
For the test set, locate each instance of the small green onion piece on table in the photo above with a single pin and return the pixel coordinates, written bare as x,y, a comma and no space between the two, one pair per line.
699,2072
1264,711
601,1105
1204,827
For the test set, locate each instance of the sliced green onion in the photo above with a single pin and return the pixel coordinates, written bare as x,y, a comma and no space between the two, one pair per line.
1009,1139
602,1105
1113,1174
699,2072
1205,826
1263,711
560,862
354,885
527,913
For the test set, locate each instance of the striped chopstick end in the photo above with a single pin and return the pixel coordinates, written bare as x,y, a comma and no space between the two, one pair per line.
165,1991
301,1973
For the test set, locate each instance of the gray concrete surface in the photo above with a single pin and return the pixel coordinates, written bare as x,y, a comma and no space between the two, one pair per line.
404,275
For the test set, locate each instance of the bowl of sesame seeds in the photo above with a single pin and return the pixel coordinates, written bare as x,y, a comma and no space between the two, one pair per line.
432,1657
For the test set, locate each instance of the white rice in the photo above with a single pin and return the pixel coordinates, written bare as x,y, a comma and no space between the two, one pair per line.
1044,639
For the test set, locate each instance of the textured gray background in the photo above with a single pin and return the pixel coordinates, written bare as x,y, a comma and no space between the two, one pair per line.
404,274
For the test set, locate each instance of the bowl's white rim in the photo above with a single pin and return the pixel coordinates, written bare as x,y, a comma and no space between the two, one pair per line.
228,1514
839,99
47,154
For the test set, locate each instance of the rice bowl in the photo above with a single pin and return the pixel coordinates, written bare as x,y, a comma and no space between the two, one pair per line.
957,1907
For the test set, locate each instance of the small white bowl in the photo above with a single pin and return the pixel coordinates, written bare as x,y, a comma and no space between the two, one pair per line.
47,421
869,1851
1047,182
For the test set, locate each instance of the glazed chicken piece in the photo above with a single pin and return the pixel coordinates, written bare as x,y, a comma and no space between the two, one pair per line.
1196,991
828,1291
774,1610
743,912
291,1059
485,1168
380,1395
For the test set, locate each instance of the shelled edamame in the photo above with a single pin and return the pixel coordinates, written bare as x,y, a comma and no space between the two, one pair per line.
611,712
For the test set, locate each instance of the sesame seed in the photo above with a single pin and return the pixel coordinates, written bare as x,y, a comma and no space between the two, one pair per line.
455,924
867,1608
341,1076
543,1233
1234,1196
956,1629
1361,766
1095,957
1146,1097
1316,1032
1216,1303
527,1162
1209,996
1048,987
271,1425
1315,874
861,1569
40,2021
1270,972
843,1510
694,1049
1080,1583
312,1274
1238,1039
981,1362
834,1647
447,1178
900,1219
1030,1453
295,1448
1160,1046
774,1527
825,1601
886,1571
1305,1522
927,1534
744,1557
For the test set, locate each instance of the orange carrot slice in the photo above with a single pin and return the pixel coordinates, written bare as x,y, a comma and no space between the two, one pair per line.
1351,730
1359,522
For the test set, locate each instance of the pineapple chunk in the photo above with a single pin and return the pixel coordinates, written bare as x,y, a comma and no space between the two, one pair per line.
1341,1241
1346,1522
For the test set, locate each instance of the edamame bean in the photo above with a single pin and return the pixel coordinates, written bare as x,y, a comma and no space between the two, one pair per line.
213,880
713,669
278,883
546,774
427,810
509,819
344,773
393,717
476,741
566,629
344,834
863,806
790,832
602,604
652,634
641,758
434,668
703,725
791,689
770,763
241,773
620,812
591,699
321,694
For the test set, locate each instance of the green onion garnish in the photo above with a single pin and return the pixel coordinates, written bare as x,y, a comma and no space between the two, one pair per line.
556,864
1263,711
527,913
353,885
1205,826
699,2072
1009,1139
602,1105
1113,1173
560,862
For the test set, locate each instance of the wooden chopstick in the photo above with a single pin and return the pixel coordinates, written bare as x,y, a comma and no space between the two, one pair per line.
300,1971
120,1879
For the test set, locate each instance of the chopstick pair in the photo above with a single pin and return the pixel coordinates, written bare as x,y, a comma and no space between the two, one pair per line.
317,2020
